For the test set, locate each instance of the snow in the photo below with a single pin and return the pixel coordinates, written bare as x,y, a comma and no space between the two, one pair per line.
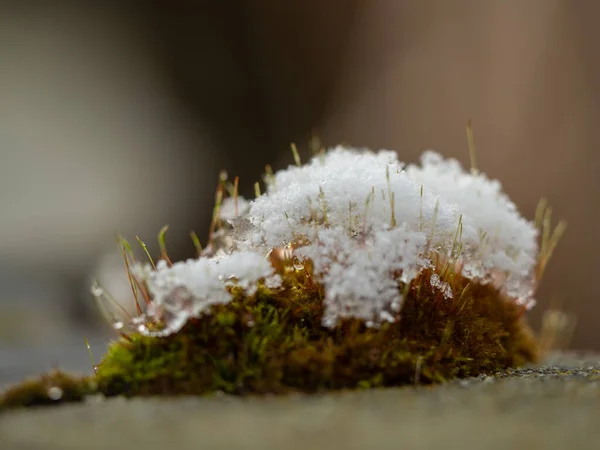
232,208
511,247
189,288
362,217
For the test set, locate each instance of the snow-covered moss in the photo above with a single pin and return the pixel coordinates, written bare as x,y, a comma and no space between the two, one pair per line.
366,222
273,342
354,270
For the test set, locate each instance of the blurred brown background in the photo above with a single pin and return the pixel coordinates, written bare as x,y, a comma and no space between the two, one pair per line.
118,116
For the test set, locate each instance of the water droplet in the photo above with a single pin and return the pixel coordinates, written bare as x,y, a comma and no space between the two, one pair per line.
117,324
55,393
298,265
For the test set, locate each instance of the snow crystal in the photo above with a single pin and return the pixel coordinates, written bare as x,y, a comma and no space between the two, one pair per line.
443,286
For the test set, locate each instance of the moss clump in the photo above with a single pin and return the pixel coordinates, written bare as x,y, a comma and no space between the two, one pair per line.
53,388
273,342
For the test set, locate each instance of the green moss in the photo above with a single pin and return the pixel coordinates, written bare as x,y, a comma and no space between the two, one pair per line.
273,342
53,388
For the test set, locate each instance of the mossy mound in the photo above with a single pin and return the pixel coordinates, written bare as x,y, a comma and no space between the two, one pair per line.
49,389
273,342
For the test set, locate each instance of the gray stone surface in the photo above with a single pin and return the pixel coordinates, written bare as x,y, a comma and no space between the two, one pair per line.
554,406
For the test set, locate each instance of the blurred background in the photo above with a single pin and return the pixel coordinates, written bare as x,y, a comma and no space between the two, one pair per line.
117,117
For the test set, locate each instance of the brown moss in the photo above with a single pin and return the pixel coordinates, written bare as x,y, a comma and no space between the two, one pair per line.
273,342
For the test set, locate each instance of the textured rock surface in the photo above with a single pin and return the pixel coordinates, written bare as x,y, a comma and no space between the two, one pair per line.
554,406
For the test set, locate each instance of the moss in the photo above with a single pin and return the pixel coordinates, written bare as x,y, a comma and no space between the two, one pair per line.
49,389
273,342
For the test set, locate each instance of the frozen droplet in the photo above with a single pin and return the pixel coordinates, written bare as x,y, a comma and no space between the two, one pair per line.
138,320
97,290
55,393
274,281
447,290
386,316
407,275
118,324
251,290
329,321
